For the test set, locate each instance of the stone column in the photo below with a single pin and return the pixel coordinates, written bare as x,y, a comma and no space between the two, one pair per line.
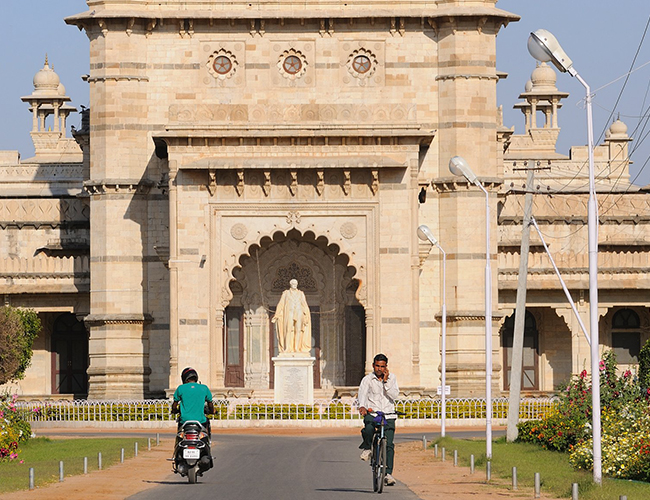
118,187
467,127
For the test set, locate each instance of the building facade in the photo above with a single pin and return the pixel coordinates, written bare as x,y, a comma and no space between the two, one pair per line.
229,148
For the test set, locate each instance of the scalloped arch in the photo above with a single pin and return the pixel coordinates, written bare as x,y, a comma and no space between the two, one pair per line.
326,241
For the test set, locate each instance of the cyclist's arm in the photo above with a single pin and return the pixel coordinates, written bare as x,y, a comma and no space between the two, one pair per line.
391,388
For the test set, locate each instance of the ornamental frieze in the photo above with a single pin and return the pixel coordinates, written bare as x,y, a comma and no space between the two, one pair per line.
358,113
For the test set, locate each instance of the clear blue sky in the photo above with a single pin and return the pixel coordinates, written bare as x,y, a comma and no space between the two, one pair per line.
601,36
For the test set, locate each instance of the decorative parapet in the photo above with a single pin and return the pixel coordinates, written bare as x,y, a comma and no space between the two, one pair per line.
43,267
39,212
41,173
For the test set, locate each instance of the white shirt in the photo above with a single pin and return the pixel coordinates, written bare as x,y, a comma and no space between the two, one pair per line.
373,393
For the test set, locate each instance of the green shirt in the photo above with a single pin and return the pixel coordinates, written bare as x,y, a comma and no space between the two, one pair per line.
192,397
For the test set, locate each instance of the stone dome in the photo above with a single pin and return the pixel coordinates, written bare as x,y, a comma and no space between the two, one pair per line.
529,86
543,77
46,80
617,129
60,89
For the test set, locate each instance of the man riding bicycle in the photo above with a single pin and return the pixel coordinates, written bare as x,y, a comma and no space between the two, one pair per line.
377,392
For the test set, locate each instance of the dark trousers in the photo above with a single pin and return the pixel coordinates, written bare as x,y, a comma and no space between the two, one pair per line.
389,431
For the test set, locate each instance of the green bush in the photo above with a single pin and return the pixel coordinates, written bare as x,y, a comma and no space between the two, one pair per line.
18,329
644,368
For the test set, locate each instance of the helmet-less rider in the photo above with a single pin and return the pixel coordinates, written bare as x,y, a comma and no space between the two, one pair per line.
190,399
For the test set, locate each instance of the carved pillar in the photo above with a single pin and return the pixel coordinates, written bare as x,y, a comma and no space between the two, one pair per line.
174,371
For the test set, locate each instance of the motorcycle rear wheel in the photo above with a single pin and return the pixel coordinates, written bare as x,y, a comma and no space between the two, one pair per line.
191,475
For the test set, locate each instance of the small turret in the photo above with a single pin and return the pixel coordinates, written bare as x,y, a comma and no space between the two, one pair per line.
49,99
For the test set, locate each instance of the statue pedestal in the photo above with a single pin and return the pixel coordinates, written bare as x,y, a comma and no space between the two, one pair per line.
294,378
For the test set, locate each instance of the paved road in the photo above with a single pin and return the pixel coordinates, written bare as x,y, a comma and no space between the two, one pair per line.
264,467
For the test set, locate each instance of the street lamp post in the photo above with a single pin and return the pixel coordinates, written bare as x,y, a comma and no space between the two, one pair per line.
459,166
544,47
424,233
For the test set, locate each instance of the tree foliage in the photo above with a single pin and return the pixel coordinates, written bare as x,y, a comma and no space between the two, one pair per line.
18,329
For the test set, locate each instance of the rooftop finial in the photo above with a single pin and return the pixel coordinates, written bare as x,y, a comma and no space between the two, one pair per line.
46,63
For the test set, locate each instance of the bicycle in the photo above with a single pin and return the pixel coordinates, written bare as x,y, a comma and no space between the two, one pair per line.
378,457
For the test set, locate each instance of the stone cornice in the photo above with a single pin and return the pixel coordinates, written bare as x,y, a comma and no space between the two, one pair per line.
514,220
106,186
549,271
54,224
44,275
454,316
449,184
117,319
423,131
291,9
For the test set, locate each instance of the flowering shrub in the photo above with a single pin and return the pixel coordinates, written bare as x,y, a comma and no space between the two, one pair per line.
625,423
554,432
571,423
625,444
13,428
565,426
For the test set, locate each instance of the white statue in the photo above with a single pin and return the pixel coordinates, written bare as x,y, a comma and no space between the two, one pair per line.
292,321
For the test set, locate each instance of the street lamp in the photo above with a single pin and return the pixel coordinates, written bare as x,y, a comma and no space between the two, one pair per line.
544,47
424,233
459,166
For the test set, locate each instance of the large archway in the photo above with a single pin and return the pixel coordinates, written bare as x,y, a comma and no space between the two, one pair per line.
329,284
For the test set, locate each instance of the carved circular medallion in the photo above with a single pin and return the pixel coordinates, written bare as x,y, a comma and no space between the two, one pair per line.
292,64
361,63
239,231
222,64
348,230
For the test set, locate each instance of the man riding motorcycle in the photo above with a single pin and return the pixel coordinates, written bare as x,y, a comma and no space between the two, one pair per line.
193,400
190,398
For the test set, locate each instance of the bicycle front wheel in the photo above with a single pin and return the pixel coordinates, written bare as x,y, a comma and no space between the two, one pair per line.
374,466
381,465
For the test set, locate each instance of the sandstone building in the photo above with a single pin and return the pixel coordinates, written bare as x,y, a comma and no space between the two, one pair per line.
230,147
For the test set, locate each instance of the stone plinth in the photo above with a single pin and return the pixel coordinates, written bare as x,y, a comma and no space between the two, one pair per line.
294,378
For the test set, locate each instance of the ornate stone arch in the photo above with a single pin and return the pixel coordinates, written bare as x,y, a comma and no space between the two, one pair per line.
343,248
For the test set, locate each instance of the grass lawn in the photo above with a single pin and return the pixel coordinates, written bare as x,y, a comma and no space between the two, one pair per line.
556,475
44,454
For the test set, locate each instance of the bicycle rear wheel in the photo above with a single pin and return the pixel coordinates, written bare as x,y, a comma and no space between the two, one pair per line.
381,465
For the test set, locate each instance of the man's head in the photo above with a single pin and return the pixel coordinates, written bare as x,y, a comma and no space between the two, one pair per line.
189,375
293,283
380,365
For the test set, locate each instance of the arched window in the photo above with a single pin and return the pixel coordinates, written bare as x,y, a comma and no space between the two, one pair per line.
626,336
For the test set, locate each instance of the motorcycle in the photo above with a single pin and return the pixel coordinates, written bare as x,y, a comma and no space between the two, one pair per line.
192,455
